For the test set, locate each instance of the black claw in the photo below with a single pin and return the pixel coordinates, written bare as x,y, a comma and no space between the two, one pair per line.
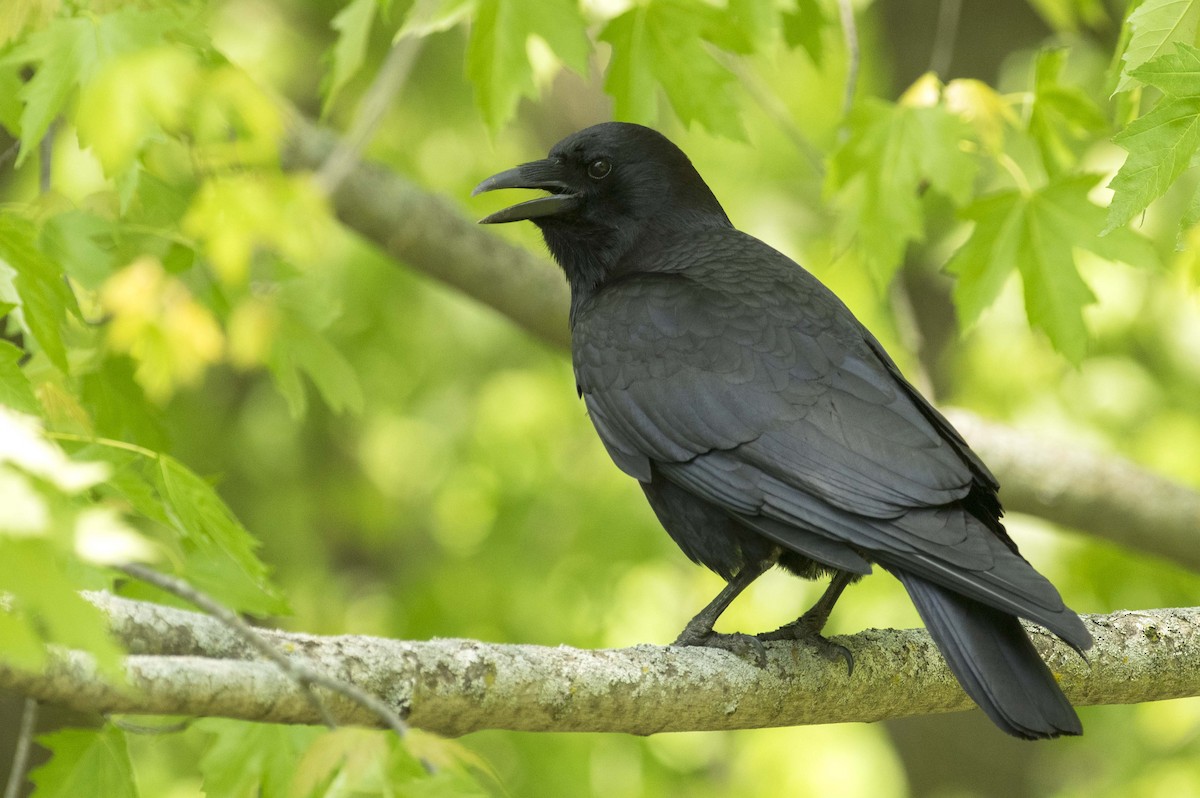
832,650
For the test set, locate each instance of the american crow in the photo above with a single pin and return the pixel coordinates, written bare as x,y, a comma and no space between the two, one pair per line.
767,426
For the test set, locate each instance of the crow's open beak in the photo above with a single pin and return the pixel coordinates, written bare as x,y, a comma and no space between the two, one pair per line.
546,175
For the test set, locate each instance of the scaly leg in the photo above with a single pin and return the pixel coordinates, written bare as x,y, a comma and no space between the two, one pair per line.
699,630
809,625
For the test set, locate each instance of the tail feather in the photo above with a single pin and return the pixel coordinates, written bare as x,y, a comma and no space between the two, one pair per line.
995,662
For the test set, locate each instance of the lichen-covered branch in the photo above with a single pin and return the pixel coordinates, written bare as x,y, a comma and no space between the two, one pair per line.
185,663
296,668
1066,484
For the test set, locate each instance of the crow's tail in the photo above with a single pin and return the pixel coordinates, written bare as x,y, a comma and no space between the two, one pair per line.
994,661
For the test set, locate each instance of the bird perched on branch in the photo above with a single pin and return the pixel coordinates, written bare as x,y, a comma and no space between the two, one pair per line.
768,427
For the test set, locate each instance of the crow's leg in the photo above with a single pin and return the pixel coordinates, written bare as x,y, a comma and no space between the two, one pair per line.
699,631
809,625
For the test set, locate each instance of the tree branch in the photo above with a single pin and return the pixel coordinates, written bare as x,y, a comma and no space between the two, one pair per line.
430,234
1108,496
186,663
296,668
1104,495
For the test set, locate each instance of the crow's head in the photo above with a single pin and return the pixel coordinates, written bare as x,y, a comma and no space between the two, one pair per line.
613,187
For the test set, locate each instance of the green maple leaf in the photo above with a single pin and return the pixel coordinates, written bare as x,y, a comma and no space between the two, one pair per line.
44,296
1176,73
118,406
1163,142
740,26
662,43
36,575
300,348
438,16
877,177
15,390
1191,216
1153,27
353,24
70,51
1035,233
803,26
497,60
1062,117
221,558
256,759
85,762
21,643
10,106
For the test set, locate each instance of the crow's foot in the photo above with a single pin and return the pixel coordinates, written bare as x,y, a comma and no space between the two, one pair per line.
741,645
804,628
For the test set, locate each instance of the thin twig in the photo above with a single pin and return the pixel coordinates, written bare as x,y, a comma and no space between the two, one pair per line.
231,619
944,37
16,776
850,34
388,83
305,676
46,153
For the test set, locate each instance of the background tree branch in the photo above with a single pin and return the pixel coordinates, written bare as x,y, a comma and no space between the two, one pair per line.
1105,495
430,234
185,663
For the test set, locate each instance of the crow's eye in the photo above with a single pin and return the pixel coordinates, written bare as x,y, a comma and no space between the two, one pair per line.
599,169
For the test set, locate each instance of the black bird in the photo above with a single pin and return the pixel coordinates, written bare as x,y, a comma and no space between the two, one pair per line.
767,426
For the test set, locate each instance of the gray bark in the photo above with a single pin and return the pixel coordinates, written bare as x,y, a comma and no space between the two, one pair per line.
190,664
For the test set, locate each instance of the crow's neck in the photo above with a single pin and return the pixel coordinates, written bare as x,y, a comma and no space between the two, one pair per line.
587,255
593,257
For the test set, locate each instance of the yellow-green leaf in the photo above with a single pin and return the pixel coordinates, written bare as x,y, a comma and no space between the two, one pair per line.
497,60
1163,142
1035,233
15,390
44,295
877,176
1154,26
85,762
663,43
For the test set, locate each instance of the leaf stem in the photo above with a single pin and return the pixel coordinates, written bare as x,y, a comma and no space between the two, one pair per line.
850,35
1014,171
109,442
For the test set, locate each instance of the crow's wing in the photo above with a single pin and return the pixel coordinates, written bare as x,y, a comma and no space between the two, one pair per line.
741,378
745,350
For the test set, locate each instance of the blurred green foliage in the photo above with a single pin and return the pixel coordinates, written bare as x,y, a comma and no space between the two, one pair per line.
397,460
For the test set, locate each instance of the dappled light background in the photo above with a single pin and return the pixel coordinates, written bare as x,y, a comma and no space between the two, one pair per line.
449,484
471,497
